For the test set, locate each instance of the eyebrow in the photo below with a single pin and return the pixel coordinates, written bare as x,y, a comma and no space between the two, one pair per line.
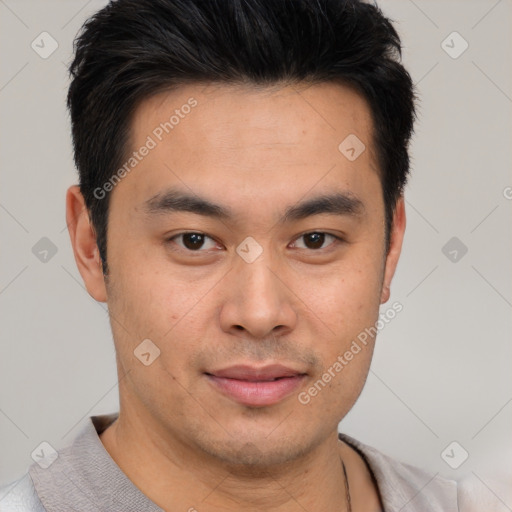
175,200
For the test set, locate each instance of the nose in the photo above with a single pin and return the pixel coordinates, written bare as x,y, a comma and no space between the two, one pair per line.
258,302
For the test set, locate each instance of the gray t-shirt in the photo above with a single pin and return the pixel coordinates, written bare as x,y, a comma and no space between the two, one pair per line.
84,478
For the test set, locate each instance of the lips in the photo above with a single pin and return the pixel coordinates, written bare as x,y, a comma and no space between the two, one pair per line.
254,386
253,374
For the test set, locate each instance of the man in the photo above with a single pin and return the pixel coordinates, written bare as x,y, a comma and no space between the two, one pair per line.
241,212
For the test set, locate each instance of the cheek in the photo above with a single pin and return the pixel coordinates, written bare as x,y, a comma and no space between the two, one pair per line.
149,294
148,302
347,298
333,392
144,305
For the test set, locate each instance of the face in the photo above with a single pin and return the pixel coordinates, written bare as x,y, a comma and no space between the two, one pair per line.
247,247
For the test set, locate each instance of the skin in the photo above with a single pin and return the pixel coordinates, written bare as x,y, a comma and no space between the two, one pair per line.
256,151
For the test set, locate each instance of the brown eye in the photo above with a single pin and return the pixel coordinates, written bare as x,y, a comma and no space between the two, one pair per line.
193,241
315,240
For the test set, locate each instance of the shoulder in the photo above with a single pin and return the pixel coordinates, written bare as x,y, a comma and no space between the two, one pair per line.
404,487
476,495
20,496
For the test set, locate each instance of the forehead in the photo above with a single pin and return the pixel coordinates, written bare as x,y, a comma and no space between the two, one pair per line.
245,141
221,110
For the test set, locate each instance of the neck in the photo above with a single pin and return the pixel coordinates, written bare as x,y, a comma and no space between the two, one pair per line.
176,476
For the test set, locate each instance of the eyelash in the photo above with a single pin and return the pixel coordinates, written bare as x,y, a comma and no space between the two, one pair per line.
336,241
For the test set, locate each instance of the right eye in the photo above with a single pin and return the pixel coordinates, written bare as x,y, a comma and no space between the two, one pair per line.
193,241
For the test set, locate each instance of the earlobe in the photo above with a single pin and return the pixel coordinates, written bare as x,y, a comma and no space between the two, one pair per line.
395,248
83,241
385,294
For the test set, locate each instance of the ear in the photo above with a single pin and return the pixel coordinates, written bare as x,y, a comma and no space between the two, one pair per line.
83,240
395,248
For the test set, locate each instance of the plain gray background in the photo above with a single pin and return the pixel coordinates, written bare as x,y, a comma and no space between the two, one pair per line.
441,371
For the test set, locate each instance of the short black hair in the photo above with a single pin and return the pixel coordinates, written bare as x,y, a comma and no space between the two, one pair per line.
133,49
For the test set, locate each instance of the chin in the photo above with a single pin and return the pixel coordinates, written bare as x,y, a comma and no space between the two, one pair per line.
258,454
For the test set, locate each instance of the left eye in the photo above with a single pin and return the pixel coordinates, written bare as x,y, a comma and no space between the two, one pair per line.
315,240
194,241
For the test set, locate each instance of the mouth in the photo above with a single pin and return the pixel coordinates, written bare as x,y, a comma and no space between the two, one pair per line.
256,387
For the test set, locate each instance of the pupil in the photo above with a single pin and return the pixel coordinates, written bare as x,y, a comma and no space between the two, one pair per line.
317,240
193,240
